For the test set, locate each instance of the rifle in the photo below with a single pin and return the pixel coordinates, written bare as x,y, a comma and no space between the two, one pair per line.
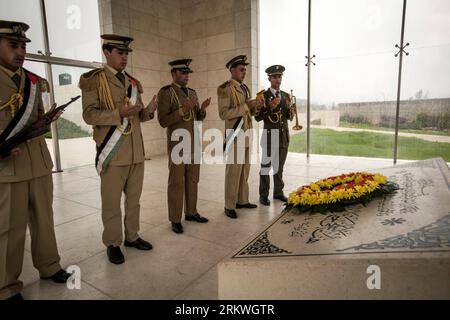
36,129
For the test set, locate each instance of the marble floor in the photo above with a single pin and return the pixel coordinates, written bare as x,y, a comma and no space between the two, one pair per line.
180,266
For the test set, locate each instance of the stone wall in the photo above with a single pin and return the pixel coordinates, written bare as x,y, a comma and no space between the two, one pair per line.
208,31
214,31
409,109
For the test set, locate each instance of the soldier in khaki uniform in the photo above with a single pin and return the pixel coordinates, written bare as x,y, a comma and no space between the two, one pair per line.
26,186
275,116
112,104
178,109
237,109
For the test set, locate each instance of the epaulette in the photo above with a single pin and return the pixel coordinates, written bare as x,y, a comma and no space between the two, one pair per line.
166,87
88,80
191,89
45,86
225,84
139,85
260,94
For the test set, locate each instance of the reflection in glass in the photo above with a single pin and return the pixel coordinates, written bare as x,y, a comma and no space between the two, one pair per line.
74,29
425,106
75,136
15,11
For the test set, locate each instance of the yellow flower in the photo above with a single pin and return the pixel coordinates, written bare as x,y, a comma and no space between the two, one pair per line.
324,191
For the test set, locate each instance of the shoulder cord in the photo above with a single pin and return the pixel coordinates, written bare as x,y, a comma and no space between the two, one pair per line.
16,98
106,99
237,102
174,99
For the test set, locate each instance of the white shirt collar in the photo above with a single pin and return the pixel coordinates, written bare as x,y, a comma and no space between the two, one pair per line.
275,91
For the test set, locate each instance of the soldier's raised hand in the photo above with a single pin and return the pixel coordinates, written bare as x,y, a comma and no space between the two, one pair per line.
57,115
206,103
273,103
128,110
187,105
255,104
153,104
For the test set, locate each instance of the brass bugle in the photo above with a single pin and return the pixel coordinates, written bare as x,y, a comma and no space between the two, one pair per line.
297,126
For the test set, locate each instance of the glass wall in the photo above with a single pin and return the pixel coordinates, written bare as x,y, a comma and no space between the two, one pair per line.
75,136
425,107
354,82
279,46
74,39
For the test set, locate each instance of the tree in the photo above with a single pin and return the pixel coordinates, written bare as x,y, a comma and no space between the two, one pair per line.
419,94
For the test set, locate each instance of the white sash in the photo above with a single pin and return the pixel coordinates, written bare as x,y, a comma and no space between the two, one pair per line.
230,138
113,144
27,113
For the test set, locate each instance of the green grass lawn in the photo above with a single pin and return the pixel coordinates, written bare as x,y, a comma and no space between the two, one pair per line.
68,130
372,127
368,144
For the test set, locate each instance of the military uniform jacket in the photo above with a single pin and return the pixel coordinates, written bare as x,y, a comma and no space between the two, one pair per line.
232,97
170,115
34,160
266,114
95,113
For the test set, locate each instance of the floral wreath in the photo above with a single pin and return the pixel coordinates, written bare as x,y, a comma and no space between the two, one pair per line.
333,193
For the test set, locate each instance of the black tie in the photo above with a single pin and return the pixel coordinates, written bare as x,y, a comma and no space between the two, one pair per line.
185,90
278,94
16,79
121,77
244,88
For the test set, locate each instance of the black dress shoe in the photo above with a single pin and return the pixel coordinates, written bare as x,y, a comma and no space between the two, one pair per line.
115,255
16,297
230,213
59,277
197,218
177,227
246,206
264,201
139,244
281,197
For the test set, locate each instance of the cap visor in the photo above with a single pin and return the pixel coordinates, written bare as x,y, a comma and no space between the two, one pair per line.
21,39
123,48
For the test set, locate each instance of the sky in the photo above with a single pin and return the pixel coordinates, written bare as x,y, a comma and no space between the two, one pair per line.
354,43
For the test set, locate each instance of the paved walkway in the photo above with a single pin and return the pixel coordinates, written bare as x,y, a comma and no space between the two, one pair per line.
426,137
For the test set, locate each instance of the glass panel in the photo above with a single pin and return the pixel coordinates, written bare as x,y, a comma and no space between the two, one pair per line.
75,136
35,67
285,43
15,11
353,85
74,29
425,107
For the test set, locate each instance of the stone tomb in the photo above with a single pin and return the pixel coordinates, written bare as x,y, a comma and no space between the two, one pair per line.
397,247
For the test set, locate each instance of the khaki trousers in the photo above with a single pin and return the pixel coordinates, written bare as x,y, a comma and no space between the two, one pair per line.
236,179
264,180
182,186
22,203
115,181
